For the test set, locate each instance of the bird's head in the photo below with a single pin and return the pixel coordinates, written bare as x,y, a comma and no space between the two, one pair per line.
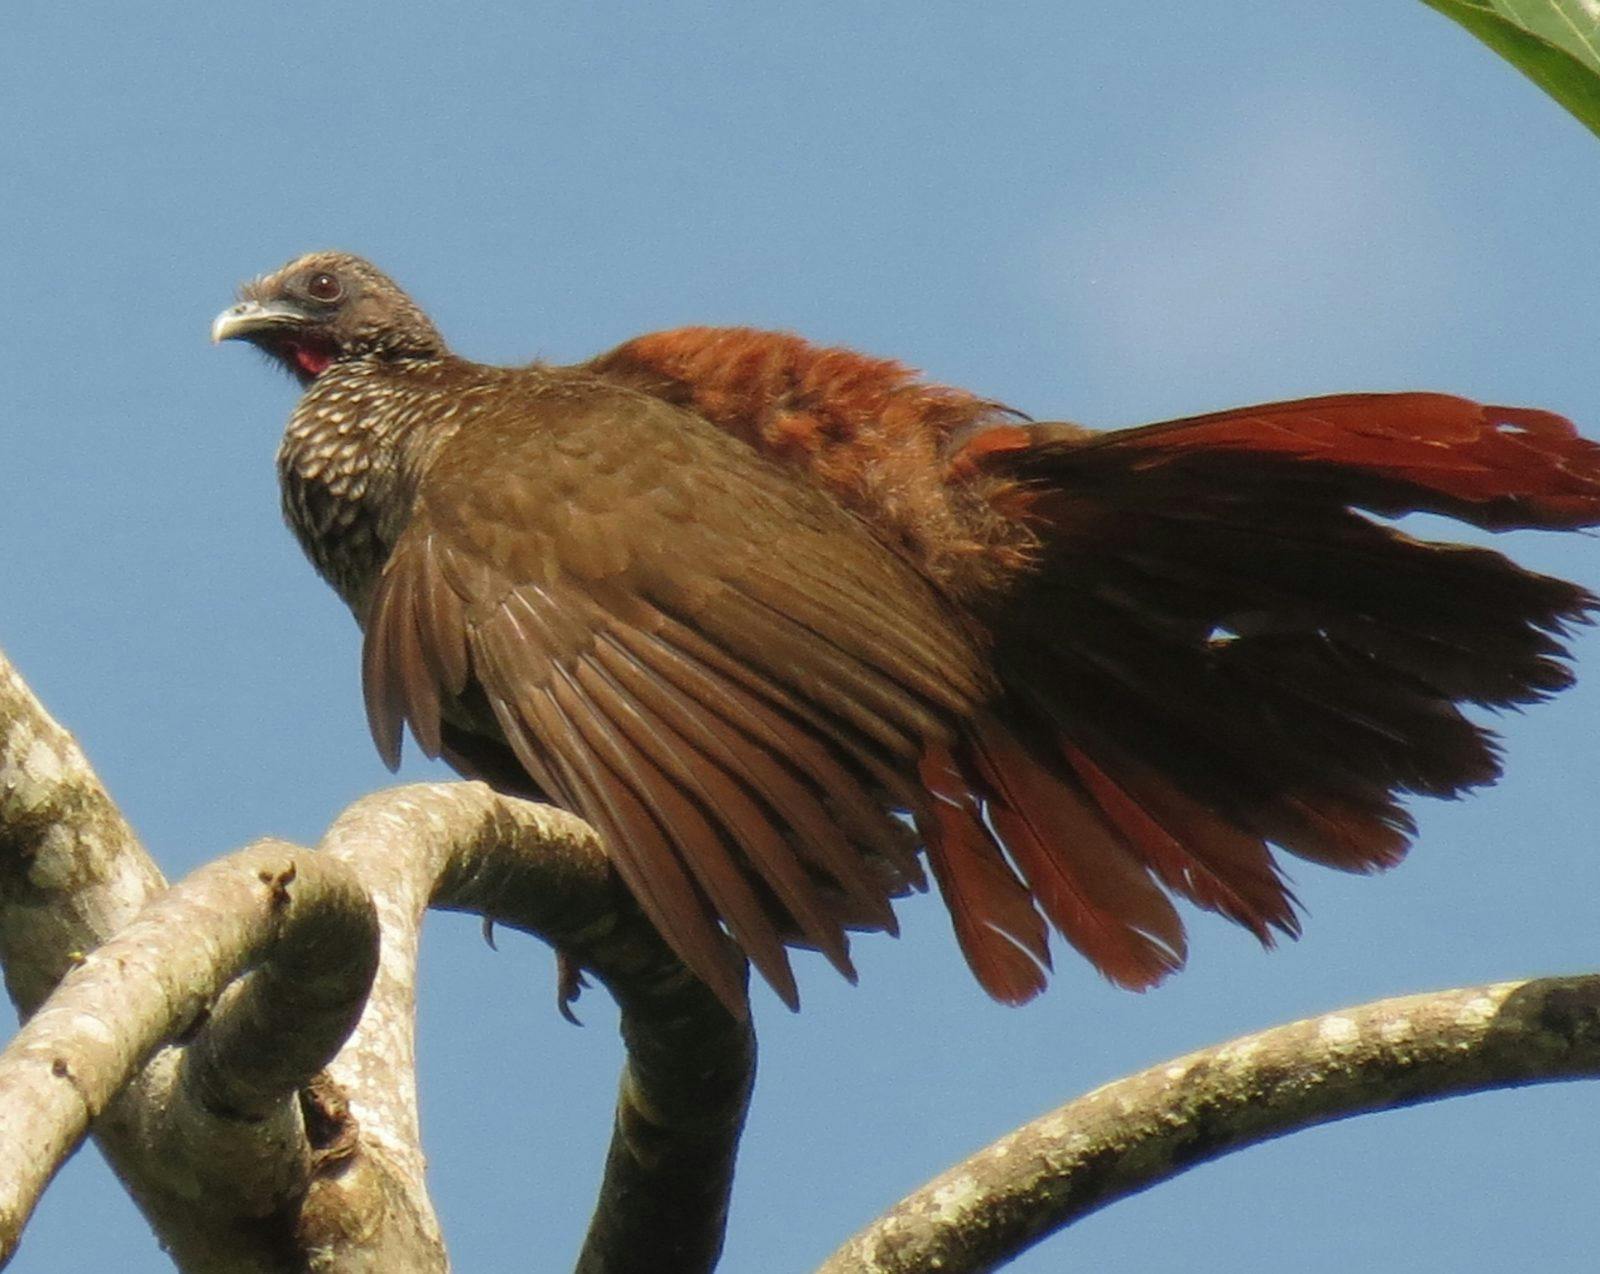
325,308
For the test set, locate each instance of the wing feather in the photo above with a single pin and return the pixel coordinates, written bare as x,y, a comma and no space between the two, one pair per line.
602,592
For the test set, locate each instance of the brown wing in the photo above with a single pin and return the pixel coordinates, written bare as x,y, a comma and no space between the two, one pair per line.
1207,650
715,665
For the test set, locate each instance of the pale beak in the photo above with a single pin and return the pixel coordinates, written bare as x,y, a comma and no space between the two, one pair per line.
251,318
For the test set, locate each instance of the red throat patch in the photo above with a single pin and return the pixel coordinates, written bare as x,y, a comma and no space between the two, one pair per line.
313,362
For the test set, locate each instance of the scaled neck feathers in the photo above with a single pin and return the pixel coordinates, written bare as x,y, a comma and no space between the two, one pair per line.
356,444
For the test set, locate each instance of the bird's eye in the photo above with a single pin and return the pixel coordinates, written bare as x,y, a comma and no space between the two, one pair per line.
324,287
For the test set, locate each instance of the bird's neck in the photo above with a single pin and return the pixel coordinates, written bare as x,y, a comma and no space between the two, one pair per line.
349,461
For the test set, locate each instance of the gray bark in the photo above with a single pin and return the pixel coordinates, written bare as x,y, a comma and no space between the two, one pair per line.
1138,1131
242,1044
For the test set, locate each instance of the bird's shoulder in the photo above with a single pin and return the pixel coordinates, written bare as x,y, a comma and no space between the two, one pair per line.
881,439
568,458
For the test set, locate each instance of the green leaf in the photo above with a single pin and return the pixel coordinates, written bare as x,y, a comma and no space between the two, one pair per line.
1573,25
1555,43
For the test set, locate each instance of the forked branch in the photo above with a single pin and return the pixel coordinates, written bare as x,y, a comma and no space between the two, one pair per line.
204,1084
205,1092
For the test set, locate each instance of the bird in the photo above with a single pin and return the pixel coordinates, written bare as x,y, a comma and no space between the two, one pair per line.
792,627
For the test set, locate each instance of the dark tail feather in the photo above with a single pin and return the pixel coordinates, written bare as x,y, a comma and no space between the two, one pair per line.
1097,893
1217,653
1001,934
1193,852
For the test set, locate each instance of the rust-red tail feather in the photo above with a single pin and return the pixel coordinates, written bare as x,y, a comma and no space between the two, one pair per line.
1216,653
1495,466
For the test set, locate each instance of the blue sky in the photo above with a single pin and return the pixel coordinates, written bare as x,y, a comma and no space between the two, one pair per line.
1110,213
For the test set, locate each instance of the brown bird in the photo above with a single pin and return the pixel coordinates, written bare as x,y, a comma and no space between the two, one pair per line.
756,610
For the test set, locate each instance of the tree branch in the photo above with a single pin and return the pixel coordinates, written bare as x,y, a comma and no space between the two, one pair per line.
221,1193
154,979
276,1028
687,1082
209,1118
1136,1132
71,870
